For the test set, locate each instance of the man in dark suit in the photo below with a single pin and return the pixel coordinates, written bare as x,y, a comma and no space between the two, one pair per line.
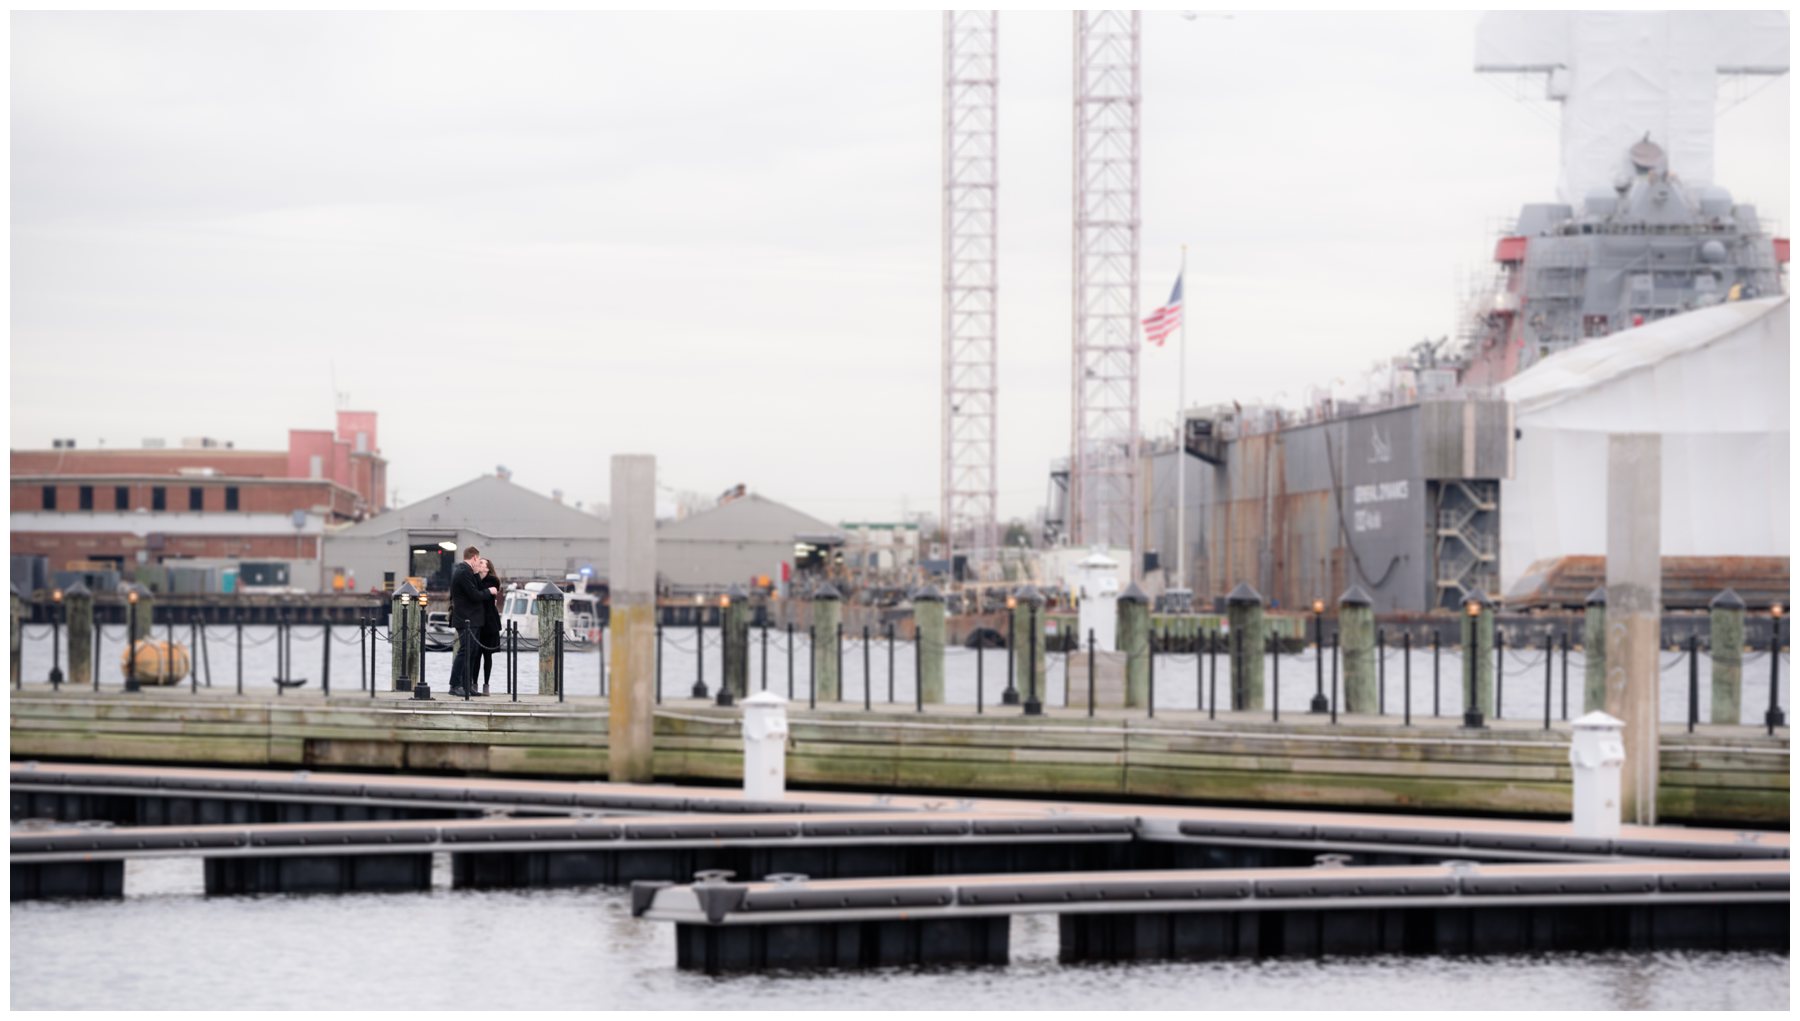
469,606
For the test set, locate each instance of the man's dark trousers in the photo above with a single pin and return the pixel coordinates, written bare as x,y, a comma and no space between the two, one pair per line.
462,668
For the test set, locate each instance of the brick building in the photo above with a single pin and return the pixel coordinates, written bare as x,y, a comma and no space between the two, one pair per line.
199,505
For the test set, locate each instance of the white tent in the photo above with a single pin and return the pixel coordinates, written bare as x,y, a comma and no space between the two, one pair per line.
1713,383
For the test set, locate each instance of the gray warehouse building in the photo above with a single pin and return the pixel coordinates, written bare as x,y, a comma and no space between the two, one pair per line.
525,534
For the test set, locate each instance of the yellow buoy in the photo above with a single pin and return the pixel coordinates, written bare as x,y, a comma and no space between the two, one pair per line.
157,662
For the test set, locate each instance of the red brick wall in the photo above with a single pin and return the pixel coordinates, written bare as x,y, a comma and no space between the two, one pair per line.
61,549
240,463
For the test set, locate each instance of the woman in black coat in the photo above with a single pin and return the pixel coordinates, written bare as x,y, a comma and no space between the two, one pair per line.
490,625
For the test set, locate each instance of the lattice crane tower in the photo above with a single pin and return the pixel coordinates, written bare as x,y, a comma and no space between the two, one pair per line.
969,489
1104,495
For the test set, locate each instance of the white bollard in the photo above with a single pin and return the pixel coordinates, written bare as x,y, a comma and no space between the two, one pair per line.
765,746
1597,753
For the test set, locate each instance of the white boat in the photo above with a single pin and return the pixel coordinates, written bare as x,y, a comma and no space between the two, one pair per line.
581,616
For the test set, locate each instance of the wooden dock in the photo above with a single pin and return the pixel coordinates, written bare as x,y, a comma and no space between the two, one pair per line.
1720,775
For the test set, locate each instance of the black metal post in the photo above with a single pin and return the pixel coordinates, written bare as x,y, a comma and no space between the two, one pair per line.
131,682
838,656
325,668
918,671
1212,702
240,662
1034,707
1274,646
1774,717
362,652
169,647
559,665
1437,641
980,674
765,653
1565,675
1335,636
1499,667
1406,674
1381,671
1150,670
56,674
812,674
99,632
600,645
659,645
1010,695
1693,651
866,678
1549,661
890,647
422,690
1199,676
1471,649
1319,704
1092,647
512,651
790,659
699,652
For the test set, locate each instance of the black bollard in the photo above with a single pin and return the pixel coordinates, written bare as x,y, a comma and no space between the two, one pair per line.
1212,701
1381,672
1499,667
812,675
325,667
362,652
790,659
99,631
866,678
1199,676
1406,674
890,647
169,650
1436,660
699,653
1565,675
1693,651
1274,646
659,645
1334,675
240,660
918,670
1471,648
980,674
1092,646
1010,694
1150,670
1318,700
765,653
1774,718
131,683
837,654
56,673
599,646
1549,657
1035,707
559,666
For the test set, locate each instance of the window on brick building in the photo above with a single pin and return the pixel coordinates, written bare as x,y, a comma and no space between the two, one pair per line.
159,498
49,497
231,503
86,497
121,497
196,498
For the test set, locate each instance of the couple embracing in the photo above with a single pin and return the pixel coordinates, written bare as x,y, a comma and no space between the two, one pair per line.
475,613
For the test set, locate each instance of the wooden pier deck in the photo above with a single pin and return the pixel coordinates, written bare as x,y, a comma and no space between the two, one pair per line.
1720,775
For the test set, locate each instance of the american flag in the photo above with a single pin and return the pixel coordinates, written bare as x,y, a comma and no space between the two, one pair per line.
1163,321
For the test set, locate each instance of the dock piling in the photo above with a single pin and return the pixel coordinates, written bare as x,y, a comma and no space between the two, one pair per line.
78,612
1356,633
827,607
1134,641
929,633
1726,617
549,608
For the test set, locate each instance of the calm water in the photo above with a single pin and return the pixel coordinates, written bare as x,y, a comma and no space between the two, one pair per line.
168,947
1177,686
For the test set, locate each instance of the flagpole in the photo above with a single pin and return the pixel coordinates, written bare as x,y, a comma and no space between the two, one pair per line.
1181,440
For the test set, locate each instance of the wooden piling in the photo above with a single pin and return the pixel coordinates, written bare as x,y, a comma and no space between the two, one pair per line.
928,618
1134,641
631,735
1634,610
827,607
1244,607
1356,636
78,611
1482,648
549,607
734,642
17,648
1593,653
1727,640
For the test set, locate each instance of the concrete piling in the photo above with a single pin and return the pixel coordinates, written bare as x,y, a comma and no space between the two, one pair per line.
400,636
1028,626
734,642
1134,641
828,611
632,697
549,609
1727,638
928,619
1593,652
1634,611
1244,609
1482,647
1356,630
78,611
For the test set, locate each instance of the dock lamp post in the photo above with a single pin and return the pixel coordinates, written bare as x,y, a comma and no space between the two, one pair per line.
700,647
131,601
1471,649
399,625
1319,704
1011,695
1774,717
56,611
421,690
724,701
1034,706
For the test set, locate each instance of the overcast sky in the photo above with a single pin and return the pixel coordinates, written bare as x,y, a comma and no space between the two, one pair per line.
539,240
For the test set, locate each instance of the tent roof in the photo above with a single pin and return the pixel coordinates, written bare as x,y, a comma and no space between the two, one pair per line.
750,518
1584,367
490,506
